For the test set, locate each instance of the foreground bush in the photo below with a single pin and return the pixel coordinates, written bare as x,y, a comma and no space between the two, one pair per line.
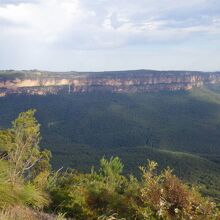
169,198
107,194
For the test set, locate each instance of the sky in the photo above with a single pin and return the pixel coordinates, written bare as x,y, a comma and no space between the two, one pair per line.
98,35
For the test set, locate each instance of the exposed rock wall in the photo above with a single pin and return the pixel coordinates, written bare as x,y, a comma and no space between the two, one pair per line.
121,82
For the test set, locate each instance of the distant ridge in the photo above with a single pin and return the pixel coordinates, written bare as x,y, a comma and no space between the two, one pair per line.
124,81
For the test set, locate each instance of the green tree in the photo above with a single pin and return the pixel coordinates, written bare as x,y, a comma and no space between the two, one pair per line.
21,144
24,168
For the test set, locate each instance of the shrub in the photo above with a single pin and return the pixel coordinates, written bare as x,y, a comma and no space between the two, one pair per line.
172,199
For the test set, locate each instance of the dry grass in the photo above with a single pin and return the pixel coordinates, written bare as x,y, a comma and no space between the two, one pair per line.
23,213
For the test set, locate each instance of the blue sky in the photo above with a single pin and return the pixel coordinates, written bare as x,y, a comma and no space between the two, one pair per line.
95,35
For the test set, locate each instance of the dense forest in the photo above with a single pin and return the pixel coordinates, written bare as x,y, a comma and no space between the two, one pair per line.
30,189
177,129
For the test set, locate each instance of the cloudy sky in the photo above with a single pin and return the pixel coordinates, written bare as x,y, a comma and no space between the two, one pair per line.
110,34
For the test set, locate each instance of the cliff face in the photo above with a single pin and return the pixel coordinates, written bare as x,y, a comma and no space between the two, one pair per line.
42,83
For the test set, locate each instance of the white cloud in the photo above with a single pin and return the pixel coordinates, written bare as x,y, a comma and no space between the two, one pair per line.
36,28
42,21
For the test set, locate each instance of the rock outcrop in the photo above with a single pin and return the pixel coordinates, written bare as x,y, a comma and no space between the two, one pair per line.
43,83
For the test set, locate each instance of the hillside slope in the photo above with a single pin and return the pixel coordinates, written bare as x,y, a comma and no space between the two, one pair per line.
186,121
80,128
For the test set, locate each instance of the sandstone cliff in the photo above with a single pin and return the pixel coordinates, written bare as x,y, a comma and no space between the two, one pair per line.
42,83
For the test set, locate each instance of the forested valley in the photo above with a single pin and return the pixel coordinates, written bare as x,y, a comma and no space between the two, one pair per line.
31,189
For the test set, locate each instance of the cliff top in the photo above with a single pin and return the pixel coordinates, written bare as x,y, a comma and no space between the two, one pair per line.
32,74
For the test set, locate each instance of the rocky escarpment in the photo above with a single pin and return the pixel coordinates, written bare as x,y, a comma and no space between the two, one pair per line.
42,83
